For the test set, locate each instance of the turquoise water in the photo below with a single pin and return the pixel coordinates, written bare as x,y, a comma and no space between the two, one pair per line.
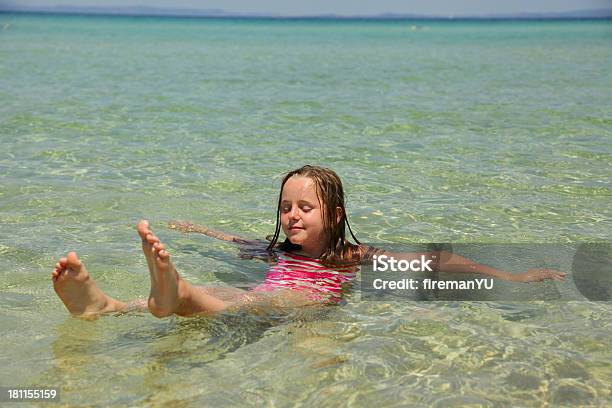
445,131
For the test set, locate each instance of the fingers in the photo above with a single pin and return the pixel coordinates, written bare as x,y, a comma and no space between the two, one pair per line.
553,274
182,226
542,274
558,275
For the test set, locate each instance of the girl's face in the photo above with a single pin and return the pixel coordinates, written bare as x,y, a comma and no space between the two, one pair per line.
301,214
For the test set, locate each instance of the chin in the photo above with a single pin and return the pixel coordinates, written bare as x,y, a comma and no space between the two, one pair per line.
295,241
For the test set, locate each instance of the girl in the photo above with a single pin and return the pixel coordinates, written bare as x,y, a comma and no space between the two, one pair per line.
312,265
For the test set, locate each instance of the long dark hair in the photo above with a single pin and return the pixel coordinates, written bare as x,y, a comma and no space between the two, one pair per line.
331,194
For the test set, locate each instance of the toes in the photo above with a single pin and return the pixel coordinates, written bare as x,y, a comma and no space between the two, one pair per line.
143,229
72,261
163,254
62,262
59,269
152,239
160,250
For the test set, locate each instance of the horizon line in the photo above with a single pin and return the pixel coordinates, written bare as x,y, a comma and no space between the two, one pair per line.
147,11
309,17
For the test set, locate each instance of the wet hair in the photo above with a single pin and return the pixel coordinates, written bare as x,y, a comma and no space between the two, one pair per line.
331,195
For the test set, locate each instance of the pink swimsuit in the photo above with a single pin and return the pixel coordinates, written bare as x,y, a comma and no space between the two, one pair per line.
306,274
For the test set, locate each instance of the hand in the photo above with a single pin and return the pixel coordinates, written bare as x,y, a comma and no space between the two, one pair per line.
539,275
182,226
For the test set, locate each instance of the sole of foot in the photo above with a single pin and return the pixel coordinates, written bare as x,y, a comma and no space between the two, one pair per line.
164,295
77,289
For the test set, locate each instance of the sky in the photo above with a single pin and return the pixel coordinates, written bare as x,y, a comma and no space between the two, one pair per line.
345,7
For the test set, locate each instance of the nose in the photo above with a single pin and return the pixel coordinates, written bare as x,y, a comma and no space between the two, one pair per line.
294,214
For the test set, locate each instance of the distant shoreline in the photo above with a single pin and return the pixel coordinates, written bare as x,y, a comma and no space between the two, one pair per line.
239,16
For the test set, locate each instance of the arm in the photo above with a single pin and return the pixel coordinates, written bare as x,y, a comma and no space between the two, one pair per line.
249,249
444,261
187,227
450,262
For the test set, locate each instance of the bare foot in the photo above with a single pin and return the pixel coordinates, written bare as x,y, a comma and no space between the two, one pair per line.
77,289
164,297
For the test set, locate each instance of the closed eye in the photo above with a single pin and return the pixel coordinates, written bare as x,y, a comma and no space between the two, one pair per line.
304,206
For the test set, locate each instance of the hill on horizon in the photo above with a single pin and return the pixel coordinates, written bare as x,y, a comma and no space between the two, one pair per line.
184,12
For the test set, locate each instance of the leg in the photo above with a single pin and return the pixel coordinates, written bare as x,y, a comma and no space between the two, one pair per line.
79,292
170,293
225,293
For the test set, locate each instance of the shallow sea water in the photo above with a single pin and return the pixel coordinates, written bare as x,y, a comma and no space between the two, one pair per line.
460,132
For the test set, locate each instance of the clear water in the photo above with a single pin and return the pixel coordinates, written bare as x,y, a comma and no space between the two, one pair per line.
463,132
